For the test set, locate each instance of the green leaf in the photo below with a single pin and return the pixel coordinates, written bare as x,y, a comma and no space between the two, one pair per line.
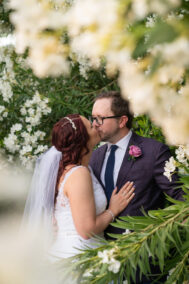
162,32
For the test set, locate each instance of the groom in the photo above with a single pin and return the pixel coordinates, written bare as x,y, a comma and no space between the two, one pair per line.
134,158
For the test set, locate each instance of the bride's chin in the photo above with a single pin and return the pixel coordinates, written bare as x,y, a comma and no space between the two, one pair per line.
98,140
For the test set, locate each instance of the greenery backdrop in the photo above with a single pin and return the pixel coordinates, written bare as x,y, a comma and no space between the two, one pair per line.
29,106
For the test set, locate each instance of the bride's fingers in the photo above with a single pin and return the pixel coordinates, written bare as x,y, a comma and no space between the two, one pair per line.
131,197
127,198
126,188
125,185
130,193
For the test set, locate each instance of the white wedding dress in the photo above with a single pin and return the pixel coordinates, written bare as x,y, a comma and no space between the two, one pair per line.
67,241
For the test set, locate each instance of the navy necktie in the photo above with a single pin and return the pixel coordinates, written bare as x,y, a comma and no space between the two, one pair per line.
109,178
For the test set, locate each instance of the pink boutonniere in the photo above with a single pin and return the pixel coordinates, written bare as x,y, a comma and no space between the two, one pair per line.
134,152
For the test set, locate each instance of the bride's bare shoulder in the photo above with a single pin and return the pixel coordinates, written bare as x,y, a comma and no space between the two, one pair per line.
79,181
79,175
81,171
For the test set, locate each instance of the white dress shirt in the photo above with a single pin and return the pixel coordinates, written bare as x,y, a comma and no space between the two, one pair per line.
119,155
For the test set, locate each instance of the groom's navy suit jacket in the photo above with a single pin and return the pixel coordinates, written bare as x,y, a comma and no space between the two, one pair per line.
145,171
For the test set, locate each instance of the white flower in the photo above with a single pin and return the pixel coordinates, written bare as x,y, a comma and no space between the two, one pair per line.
88,12
150,21
168,175
182,154
47,57
11,143
40,149
187,151
169,168
175,52
170,165
117,60
114,266
23,111
31,18
88,273
2,108
31,111
170,73
140,8
16,127
6,90
28,103
107,257
127,231
36,98
94,41
47,110
34,120
136,87
29,128
5,114
25,149
40,134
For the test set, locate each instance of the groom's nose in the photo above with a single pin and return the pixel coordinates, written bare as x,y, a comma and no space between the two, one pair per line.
95,124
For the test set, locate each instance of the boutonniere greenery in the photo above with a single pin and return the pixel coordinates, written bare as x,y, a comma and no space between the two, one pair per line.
134,152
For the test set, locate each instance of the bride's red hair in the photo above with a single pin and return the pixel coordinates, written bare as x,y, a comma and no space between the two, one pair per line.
70,141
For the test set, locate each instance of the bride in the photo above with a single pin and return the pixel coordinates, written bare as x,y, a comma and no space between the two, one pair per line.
65,197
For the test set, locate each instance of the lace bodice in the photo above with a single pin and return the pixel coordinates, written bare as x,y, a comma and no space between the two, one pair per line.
67,238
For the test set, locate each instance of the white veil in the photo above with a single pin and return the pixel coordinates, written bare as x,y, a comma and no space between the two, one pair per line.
38,213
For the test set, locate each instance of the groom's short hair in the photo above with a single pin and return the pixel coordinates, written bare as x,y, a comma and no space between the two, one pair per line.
119,105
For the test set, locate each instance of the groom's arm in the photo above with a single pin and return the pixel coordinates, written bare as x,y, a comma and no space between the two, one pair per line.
162,155
97,159
93,161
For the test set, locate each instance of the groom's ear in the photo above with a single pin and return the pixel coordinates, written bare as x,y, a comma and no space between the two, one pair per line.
123,121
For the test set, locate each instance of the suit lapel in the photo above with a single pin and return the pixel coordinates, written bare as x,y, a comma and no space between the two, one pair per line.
128,163
100,161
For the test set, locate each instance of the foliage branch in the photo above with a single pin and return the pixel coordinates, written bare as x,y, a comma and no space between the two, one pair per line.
161,236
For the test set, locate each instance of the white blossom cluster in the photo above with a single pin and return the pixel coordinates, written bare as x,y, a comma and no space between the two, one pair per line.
34,109
6,90
150,21
3,112
182,154
7,75
46,52
93,37
85,14
85,65
141,8
157,94
181,161
170,167
107,256
23,138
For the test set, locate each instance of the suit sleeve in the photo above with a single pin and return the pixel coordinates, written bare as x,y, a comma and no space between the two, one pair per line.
93,162
162,155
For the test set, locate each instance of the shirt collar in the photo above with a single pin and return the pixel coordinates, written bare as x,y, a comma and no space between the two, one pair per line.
123,142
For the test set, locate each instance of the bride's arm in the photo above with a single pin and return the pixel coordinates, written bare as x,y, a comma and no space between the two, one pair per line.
78,188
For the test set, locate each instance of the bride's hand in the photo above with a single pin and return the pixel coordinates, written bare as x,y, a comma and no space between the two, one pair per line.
120,200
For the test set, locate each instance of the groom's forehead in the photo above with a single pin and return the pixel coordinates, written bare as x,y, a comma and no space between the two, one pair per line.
102,105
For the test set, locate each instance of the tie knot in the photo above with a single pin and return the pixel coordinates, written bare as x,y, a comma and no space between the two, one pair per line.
113,148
